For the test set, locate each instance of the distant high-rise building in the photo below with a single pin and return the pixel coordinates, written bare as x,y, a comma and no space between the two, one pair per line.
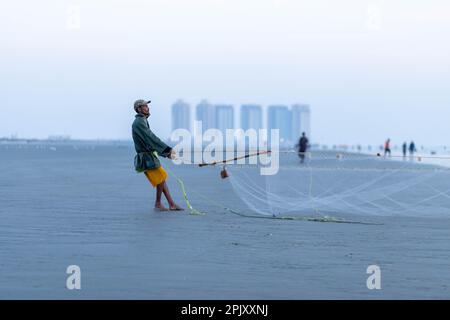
280,117
181,115
301,121
251,117
205,113
224,117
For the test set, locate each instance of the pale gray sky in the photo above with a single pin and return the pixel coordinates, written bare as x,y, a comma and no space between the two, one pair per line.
369,69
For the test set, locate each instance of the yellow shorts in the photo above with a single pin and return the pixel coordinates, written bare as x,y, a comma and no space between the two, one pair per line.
156,176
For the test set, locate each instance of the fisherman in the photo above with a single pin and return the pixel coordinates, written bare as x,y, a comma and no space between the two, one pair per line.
387,147
148,146
302,147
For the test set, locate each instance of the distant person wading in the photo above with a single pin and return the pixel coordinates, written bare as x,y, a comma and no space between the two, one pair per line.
387,147
148,146
412,148
302,147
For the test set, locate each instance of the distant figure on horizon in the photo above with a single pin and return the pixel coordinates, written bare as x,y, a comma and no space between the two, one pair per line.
412,149
302,147
148,146
405,148
387,147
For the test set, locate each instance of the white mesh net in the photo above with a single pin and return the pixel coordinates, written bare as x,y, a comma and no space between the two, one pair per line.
345,183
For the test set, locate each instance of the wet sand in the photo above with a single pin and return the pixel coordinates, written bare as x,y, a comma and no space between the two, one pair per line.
87,207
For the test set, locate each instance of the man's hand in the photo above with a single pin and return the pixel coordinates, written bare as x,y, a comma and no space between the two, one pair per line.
173,154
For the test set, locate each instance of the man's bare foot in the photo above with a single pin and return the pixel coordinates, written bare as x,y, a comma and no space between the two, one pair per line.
175,207
160,207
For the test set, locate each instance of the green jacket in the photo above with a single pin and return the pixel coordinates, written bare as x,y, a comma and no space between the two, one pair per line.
146,143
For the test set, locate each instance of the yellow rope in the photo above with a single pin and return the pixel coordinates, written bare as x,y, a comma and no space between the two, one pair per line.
192,210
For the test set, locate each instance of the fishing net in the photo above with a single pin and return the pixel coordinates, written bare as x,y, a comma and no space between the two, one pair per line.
336,183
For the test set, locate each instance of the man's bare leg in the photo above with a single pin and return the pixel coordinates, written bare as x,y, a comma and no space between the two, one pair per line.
159,191
172,204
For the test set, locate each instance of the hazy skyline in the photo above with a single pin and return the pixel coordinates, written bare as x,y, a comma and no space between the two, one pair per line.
369,69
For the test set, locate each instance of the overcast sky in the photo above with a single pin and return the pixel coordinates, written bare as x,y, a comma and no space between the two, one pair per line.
369,69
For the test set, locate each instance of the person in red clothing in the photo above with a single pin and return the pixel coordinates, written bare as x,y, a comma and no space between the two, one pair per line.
387,147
